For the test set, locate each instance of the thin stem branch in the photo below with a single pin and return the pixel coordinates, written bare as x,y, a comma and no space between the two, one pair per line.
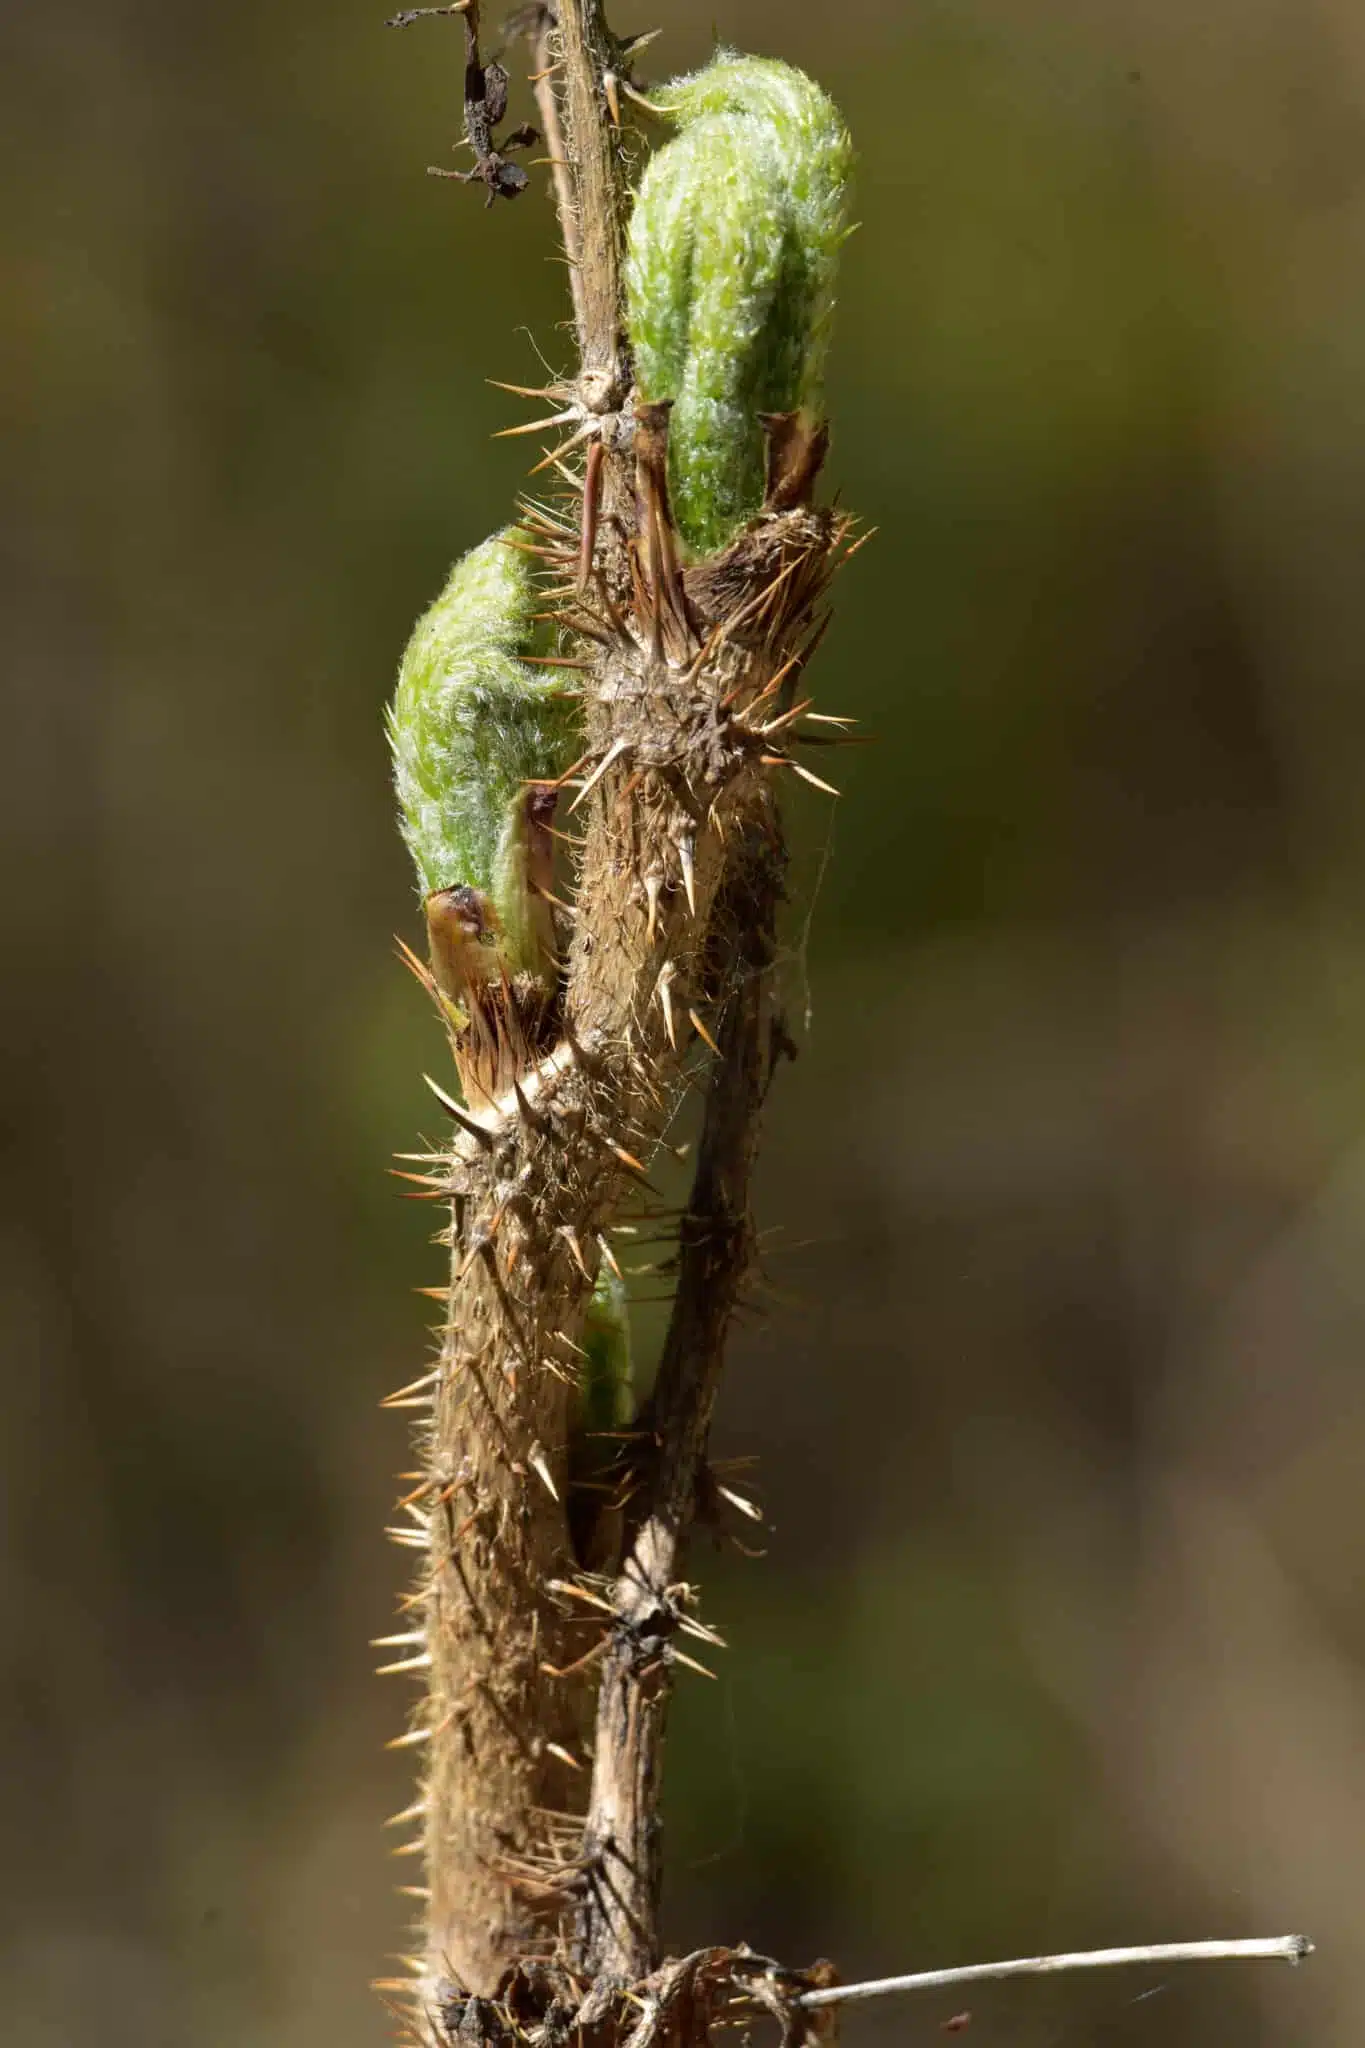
585,52
1286,1948
543,54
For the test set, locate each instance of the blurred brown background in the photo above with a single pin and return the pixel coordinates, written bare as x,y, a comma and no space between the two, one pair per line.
1060,1639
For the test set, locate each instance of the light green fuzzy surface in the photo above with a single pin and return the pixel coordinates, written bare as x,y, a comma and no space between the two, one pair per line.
606,1398
470,723
730,270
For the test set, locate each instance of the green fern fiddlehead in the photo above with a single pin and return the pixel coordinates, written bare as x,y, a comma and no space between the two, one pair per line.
473,730
730,271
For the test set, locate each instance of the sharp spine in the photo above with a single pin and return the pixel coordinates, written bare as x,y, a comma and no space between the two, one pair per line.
540,1465
689,876
459,1114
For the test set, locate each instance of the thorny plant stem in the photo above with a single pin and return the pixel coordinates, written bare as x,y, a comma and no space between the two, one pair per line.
676,808
622,1834
1286,1948
679,879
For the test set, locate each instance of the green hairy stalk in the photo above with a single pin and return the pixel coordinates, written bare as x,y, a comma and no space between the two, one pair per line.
730,269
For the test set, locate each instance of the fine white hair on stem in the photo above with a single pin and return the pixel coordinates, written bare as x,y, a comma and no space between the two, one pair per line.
1285,1948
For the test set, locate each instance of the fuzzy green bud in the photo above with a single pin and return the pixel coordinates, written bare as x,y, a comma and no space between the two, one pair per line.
730,270
470,727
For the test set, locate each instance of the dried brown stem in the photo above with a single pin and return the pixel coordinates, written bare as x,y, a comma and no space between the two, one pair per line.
1281,1948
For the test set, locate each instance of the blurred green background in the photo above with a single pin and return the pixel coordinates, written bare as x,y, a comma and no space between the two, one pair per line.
1060,1636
